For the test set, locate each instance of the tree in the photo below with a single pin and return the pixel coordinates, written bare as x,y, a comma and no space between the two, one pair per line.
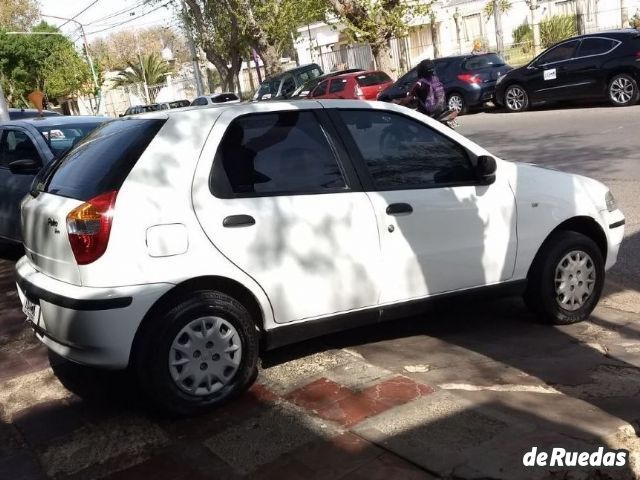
46,62
19,15
376,22
117,49
504,6
150,69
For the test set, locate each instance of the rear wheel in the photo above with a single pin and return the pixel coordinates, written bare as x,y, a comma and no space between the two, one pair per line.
566,279
623,90
199,354
516,98
456,102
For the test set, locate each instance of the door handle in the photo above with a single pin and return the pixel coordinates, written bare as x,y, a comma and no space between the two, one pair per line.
234,221
398,209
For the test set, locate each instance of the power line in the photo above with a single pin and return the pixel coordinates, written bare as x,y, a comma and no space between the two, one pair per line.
79,13
117,13
131,19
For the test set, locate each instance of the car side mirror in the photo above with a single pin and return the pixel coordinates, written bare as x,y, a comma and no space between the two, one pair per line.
486,169
27,166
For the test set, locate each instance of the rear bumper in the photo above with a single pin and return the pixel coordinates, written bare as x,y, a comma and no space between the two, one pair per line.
91,326
481,95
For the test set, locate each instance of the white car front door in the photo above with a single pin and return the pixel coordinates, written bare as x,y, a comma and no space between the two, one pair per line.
284,208
440,229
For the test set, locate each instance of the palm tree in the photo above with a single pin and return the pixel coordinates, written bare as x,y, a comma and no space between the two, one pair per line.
150,70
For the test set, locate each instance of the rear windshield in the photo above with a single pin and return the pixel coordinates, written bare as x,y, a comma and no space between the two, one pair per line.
100,162
483,61
372,78
62,138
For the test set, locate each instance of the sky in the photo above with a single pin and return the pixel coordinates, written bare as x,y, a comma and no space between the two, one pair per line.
107,16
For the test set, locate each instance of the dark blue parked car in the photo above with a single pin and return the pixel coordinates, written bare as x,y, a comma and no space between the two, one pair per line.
469,80
26,146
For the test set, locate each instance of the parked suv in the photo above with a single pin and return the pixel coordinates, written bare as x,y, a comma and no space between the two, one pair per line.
469,80
285,84
183,243
597,66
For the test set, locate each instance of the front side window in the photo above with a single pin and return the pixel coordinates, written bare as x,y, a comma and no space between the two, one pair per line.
276,153
320,90
16,145
559,53
402,153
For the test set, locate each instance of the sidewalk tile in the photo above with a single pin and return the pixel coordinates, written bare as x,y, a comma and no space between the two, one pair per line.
389,466
21,466
43,422
318,395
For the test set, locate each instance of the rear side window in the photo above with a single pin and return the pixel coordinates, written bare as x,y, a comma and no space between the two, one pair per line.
595,46
480,62
101,162
337,85
64,137
373,78
283,153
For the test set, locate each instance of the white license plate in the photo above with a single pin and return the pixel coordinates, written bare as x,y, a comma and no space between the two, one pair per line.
32,311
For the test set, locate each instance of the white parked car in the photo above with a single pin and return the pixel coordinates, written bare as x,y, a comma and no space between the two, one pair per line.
215,99
183,243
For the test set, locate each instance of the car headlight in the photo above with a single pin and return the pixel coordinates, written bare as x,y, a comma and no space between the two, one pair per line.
610,201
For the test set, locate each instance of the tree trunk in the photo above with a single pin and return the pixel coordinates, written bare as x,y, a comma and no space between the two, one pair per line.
270,58
435,40
382,56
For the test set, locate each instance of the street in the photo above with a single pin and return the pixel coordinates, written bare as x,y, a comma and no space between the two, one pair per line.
462,392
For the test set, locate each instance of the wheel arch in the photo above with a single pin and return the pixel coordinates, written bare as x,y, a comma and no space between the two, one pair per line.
585,225
627,70
225,285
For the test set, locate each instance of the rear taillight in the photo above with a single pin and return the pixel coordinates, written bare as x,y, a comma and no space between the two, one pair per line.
637,56
470,78
89,226
358,92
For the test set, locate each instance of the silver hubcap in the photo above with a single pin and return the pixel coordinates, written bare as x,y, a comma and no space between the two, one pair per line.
455,103
621,90
205,355
516,98
575,280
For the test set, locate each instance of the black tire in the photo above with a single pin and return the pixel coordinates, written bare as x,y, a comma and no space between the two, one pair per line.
623,90
151,358
520,94
540,295
461,102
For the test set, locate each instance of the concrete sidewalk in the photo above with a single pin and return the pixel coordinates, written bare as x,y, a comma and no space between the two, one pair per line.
463,392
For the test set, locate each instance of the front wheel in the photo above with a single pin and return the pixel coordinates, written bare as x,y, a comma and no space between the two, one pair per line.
623,90
199,354
566,279
456,103
516,98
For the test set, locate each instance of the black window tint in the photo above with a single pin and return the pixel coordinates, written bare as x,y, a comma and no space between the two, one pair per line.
410,78
406,153
288,86
594,46
337,85
559,53
100,162
372,78
479,62
276,153
321,89
16,145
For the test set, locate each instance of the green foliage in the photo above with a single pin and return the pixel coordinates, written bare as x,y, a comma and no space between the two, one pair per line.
19,15
150,68
557,28
46,62
523,36
503,5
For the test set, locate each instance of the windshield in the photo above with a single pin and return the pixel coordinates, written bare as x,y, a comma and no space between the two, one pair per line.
62,138
479,62
268,89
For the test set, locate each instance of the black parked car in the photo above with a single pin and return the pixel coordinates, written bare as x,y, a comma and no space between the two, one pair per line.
469,80
26,146
283,85
601,65
20,113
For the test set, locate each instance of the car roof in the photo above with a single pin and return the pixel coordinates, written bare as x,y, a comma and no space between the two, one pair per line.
55,121
281,75
617,33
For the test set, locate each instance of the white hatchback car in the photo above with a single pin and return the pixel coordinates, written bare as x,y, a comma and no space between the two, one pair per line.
183,243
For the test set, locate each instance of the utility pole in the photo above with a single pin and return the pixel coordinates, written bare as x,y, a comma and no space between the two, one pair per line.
580,20
624,14
4,111
97,90
497,16
535,25
193,51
